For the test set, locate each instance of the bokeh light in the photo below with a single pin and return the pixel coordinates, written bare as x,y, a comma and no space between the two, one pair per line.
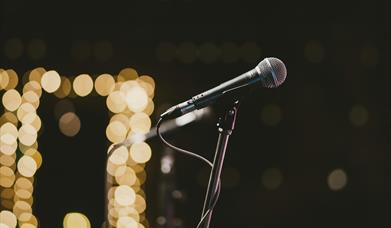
104,84
4,79
27,134
69,124
11,100
50,81
36,74
140,152
127,74
136,98
116,102
7,177
65,88
33,86
83,85
124,195
12,79
27,166
116,131
140,123
337,180
76,220
8,219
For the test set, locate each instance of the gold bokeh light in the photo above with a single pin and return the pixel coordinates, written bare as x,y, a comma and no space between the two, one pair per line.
104,84
50,81
11,100
83,85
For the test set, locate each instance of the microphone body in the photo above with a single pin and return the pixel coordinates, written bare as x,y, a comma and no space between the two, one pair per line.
270,72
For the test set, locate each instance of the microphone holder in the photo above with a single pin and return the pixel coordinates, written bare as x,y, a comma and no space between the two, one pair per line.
225,126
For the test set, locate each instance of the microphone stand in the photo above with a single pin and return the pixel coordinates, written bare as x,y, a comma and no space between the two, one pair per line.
225,127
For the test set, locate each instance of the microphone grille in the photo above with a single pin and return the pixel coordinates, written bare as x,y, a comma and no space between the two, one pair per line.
272,72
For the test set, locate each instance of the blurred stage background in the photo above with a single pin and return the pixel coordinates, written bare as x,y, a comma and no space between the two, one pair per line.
312,153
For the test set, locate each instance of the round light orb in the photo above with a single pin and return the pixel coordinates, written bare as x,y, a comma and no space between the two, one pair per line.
140,205
65,88
4,79
7,160
119,156
8,219
140,152
76,220
116,132
127,74
8,117
126,222
36,74
27,134
51,81
7,177
27,166
104,84
116,102
140,123
34,87
12,79
83,85
25,109
124,175
11,100
32,98
136,99
124,195
337,180
69,124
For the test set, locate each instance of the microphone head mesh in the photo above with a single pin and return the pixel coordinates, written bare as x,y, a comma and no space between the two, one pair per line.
272,72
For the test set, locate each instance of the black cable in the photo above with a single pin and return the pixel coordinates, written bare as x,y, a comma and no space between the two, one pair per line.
199,157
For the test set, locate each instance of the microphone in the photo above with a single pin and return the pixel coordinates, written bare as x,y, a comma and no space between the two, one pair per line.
270,73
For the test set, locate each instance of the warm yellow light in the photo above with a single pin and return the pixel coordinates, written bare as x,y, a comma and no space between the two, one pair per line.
125,176
36,74
31,97
69,124
51,81
27,166
33,119
150,107
65,88
140,204
34,87
11,100
28,219
21,207
7,177
127,74
116,102
104,84
34,153
124,119
126,222
119,156
148,84
76,220
116,132
8,149
12,79
8,218
140,123
23,110
8,128
140,152
136,98
27,134
7,160
124,195
83,85
8,117
23,188
337,179
4,79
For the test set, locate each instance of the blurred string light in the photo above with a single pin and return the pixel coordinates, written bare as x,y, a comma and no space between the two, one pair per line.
337,180
129,98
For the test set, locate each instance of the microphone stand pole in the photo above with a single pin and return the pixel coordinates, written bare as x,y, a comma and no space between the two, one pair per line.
225,127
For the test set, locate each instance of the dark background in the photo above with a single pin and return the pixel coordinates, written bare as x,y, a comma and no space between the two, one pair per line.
333,111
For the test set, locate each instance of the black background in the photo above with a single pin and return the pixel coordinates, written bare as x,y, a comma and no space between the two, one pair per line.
314,137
